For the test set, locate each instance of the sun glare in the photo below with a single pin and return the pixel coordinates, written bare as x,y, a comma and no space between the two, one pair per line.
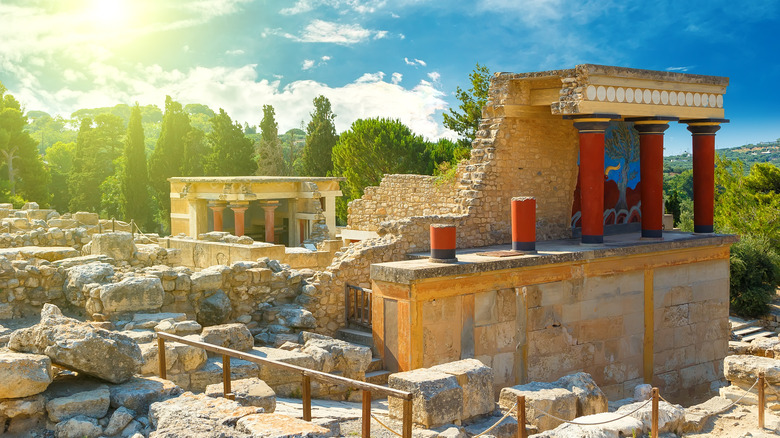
109,13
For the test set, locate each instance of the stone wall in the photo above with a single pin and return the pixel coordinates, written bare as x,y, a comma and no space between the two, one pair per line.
400,197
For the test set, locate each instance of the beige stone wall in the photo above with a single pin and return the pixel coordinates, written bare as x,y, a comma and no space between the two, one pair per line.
402,196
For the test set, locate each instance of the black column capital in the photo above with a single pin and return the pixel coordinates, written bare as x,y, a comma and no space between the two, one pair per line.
651,125
704,126
595,123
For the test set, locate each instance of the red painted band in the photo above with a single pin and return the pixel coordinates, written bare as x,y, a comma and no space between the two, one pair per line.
524,220
592,183
651,167
703,180
443,237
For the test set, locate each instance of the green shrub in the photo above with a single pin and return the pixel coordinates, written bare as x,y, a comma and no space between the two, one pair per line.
755,275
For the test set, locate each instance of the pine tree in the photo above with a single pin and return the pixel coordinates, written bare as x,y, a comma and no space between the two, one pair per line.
85,178
134,178
270,160
231,151
320,139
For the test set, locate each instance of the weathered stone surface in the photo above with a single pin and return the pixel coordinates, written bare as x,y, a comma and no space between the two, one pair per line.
134,294
350,358
323,359
119,420
198,416
280,426
476,379
276,376
211,372
215,309
437,397
745,369
23,375
207,279
78,276
178,357
235,336
140,392
590,398
79,346
86,218
248,392
505,429
51,254
296,317
10,408
541,396
78,427
92,404
118,245
671,418
696,417
624,427
156,318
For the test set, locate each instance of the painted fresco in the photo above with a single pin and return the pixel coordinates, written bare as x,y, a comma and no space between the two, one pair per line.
622,200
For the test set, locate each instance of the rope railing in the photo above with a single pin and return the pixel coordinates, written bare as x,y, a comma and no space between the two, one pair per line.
594,424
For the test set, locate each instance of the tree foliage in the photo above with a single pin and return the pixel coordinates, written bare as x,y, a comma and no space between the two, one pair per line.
466,121
86,175
320,139
231,151
755,275
270,159
134,177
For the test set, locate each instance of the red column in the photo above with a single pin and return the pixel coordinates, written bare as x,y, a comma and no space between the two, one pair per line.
524,224
269,208
703,132
651,168
443,239
238,218
217,212
592,129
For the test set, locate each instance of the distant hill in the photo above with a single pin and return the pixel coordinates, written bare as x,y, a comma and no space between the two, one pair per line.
750,154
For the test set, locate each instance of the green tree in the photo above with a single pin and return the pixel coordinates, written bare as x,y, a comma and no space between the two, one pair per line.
60,158
27,177
673,206
195,149
231,151
134,179
86,175
320,139
166,160
270,160
466,122
372,148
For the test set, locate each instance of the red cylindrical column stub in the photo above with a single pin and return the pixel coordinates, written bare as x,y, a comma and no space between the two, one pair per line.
524,223
703,183
217,212
592,186
238,219
651,168
443,240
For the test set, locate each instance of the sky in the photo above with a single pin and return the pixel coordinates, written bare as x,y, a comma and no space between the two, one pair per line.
375,58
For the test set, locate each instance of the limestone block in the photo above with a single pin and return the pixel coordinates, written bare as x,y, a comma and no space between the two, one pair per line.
323,360
78,427
132,294
437,397
279,426
274,376
152,319
118,245
207,279
590,398
92,404
248,392
671,418
211,372
627,426
64,224
80,275
79,346
119,420
138,393
86,218
23,375
214,309
197,416
477,382
350,358
234,336
27,406
745,369
541,396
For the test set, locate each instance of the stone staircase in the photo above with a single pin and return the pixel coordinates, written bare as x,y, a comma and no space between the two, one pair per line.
375,373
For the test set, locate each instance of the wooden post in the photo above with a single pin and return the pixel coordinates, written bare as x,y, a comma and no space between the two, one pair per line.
113,225
132,229
346,304
161,356
306,398
761,399
654,424
521,432
366,414
407,428
226,391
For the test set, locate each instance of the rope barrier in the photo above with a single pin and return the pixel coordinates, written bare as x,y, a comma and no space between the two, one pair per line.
508,413
738,400
386,426
594,424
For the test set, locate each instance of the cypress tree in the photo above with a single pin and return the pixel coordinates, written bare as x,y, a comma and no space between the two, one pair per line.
135,179
231,151
320,139
270,160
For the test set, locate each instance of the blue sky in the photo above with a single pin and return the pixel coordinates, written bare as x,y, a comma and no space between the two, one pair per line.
400,59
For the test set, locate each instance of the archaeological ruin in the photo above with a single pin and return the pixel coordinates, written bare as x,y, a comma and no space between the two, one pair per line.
545,269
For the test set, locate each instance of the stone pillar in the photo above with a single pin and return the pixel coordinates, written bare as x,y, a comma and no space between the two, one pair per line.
592,128
703,132
198,216
216,210
269,207
443,241
651,172
292,228
524,224
238,217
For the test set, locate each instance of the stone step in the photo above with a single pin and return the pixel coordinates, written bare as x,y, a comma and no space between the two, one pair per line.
747,331
375,365
738,323
358,337
761,334
378,377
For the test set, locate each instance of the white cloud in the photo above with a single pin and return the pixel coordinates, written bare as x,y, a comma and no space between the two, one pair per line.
234,52
360,6
397,78
434,76
307,64
415,62
320,31
325,58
